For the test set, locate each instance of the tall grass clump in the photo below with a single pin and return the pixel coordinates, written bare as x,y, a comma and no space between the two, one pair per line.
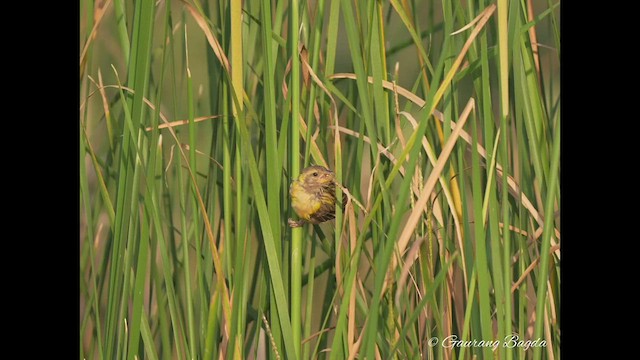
440,119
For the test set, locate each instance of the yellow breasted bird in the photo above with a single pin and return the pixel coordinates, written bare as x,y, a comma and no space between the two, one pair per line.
313,196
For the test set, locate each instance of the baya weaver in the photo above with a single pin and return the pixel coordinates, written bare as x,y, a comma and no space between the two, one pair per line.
313,196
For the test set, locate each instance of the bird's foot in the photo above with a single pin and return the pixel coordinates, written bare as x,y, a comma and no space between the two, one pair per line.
294,223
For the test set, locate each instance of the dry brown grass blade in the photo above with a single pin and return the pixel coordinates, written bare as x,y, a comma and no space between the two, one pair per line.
333,114
399,133
351,325
285,88
514,189
99,88
428,187
366,139
187,148
530,268
105,107
183,122
353,350
317,333
373,175
390,86
446,81
533,37
548,336
166,122
468,26
450,200
514,229
213,42
318,156
384,151
98,16
552,303
304,56
405,272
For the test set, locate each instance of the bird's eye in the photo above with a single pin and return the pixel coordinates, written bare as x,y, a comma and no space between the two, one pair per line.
315,173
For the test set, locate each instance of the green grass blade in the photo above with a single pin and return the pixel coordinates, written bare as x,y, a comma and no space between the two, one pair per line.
550,202
296,233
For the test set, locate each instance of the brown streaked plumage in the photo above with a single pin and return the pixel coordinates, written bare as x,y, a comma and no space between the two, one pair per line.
313,196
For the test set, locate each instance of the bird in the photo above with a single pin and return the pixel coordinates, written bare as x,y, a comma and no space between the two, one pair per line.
313,196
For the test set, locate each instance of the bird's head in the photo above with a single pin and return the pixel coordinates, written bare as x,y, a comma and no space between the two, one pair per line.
316,175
